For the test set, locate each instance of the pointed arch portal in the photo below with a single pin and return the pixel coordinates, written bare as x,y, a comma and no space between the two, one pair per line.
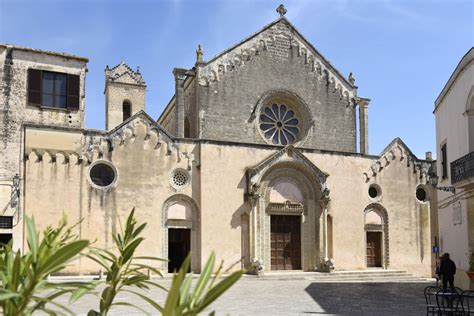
376,236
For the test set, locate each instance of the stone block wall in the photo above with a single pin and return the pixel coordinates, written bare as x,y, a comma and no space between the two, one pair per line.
232,85
15,112
115,95
14,107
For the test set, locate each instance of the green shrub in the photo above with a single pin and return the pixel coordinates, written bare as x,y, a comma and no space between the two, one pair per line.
125,271
182,301
25,289
24,278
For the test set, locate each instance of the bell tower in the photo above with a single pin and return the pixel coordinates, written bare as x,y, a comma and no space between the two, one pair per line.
124,94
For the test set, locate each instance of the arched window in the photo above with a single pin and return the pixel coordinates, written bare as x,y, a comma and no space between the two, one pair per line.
187,128
126,109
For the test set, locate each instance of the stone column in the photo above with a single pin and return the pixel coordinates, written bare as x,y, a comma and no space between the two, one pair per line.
326,264
255,263
253,231
363,124
325,233
179,76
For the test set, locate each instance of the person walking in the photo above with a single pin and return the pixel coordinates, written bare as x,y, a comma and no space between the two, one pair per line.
447,271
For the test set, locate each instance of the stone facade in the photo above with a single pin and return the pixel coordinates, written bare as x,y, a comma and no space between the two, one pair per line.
15,111
265,131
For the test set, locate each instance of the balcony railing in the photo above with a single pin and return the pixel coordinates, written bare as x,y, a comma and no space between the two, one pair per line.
462,168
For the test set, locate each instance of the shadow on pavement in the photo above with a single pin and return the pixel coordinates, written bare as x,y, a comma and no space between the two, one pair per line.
368,298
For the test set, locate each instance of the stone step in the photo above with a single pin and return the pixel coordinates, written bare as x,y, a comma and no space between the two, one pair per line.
347,276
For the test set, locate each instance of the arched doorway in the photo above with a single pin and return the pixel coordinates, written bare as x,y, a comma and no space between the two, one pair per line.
376,236
286,207
290,219
181,232
288,197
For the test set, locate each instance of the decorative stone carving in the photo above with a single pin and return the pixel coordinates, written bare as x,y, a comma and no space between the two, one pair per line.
283,31
254,174
398,149
124,74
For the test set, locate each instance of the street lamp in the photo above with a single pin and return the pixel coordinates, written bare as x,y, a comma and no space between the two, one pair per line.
15,191
434,183
16,181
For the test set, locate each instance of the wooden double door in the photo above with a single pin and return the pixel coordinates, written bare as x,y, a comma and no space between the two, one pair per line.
374,249
285,231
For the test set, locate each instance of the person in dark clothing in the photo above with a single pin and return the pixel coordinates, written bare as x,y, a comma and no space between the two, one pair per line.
447,270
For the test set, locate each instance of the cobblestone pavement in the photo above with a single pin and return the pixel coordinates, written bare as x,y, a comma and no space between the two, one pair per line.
296,297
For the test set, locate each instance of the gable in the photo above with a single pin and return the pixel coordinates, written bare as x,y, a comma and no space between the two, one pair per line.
397,150
141,118
280,39
287,154
122,73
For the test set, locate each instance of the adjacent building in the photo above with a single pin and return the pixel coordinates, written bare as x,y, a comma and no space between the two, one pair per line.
257,157
454,112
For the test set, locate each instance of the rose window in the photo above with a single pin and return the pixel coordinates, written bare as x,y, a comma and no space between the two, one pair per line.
279,124
179,178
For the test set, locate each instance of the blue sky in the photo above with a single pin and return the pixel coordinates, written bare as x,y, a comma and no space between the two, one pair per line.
401,52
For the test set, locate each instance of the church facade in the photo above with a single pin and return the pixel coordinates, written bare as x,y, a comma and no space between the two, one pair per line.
255,157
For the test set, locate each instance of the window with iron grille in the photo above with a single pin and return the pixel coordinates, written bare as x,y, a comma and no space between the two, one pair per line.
444,162
6,222
53,89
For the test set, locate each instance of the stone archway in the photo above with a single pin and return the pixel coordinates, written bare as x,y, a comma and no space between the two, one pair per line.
287,181
376,235
288,184
181,226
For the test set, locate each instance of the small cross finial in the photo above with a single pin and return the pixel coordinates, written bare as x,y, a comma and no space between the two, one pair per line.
138,69
281,10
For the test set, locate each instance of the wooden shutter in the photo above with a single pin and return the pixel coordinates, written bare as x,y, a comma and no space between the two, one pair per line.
34,86
73,92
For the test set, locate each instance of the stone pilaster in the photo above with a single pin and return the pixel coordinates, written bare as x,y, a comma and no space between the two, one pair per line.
179,76
363,104
326,264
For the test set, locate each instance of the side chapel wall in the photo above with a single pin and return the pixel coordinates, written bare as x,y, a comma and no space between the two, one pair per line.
144,160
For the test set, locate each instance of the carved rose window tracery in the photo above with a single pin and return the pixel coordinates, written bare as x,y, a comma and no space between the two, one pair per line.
279,124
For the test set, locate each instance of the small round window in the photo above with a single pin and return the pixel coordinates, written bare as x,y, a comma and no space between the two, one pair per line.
179,178
374,191
421,195
102,174
279,124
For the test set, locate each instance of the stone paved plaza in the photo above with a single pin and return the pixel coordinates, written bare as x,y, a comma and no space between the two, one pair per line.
299,297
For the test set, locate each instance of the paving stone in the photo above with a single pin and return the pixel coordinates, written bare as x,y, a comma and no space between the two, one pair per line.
296,297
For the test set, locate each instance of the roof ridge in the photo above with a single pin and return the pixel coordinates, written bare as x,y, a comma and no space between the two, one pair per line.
311,46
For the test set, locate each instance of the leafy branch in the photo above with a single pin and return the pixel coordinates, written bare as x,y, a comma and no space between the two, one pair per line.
124,270
24,277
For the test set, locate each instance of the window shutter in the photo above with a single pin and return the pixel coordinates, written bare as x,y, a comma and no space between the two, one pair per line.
34,86
73,92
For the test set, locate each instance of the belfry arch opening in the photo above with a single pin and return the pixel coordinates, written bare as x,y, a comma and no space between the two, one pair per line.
126,109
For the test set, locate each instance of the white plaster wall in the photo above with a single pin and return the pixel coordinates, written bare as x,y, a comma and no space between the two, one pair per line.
452,128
